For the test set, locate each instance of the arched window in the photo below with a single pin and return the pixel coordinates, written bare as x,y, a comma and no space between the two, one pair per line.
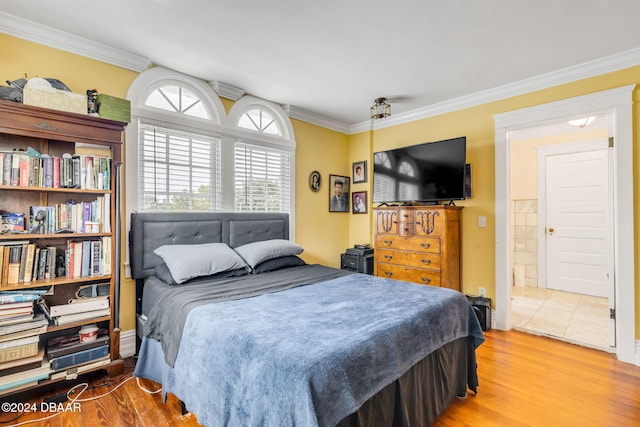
264,156
260,120
177,99
191,156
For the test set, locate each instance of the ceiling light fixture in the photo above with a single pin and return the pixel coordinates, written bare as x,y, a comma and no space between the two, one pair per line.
583,122
380,109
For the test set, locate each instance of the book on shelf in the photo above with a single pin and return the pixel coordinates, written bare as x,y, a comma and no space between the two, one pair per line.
28,270
79,358
10,309
91,304
90,366
86,258
15,318
25,295
66,319
23,364
12,222
11,265
25,333
16,380
19,342
18,352
39,220
37,321
15,304
67,344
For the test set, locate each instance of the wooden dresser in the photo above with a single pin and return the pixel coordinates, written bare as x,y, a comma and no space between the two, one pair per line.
419,244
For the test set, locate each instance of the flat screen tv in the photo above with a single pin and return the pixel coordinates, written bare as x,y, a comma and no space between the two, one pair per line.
428,172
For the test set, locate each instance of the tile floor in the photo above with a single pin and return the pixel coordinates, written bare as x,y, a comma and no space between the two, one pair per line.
579,319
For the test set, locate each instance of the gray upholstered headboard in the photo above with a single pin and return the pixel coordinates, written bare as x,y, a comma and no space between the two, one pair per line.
150,230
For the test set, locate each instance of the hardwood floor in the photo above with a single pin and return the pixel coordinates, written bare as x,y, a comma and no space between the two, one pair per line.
525,380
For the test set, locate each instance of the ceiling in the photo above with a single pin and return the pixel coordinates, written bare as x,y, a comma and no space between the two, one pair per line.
333,58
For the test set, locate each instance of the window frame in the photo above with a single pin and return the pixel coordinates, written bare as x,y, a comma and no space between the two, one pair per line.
221,125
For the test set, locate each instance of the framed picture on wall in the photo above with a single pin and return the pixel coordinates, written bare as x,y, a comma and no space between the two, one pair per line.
338,193
359,172
359,202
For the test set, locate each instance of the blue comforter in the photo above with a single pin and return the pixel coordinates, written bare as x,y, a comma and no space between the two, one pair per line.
307,356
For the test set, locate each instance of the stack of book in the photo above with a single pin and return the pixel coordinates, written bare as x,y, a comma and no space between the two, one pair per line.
22,361
68,351
77,310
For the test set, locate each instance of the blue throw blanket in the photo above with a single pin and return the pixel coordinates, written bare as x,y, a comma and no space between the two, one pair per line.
307,356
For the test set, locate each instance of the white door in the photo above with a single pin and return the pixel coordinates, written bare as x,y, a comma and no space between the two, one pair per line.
578,222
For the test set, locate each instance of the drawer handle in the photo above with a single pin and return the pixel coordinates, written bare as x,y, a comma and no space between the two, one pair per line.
425,279
388,273
388,257
406,229
388,242
426,261
425,245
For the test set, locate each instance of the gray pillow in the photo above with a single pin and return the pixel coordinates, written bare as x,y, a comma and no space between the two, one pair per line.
277,264
257,252
188,261
163,273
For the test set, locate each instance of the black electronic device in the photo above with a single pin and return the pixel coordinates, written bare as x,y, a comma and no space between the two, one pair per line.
356,262
427,172
359,252
482,308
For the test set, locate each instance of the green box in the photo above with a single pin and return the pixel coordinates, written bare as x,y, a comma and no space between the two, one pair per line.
110,107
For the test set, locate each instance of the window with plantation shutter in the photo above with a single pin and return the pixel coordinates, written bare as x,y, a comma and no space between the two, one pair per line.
190,154
178,170
262,178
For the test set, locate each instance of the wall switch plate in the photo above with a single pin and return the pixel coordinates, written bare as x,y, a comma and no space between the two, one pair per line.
482,221
482,291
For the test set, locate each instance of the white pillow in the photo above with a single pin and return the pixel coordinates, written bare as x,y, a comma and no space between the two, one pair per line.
257,252
188,261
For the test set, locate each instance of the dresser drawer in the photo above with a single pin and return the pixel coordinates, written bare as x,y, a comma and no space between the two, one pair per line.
409,258
421,244
409,274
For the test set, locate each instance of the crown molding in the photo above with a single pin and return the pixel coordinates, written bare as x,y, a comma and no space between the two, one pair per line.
29,30
226,90
619,61
316,119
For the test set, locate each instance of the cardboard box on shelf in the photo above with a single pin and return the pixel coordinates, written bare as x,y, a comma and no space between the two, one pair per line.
55,99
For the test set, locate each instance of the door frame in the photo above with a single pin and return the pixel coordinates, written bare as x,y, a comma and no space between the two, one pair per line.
617,104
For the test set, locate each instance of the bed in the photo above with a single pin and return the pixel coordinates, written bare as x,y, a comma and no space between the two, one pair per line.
273,341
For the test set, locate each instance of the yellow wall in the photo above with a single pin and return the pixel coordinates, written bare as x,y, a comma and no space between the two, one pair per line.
523,155
325,235
477,124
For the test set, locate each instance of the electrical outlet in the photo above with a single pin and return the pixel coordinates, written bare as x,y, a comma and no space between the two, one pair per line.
482,291
482,221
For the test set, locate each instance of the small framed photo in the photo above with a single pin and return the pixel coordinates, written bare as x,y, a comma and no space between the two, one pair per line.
359,172
338,193
314,181
359,202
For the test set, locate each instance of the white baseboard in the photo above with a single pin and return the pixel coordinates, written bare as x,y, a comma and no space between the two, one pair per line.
127,343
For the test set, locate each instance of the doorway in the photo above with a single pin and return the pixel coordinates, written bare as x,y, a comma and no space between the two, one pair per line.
616,104
563,233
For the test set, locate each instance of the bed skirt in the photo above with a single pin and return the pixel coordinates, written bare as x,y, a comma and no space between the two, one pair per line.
422,394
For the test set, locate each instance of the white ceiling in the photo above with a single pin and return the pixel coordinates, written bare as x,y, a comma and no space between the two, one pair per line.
333,58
